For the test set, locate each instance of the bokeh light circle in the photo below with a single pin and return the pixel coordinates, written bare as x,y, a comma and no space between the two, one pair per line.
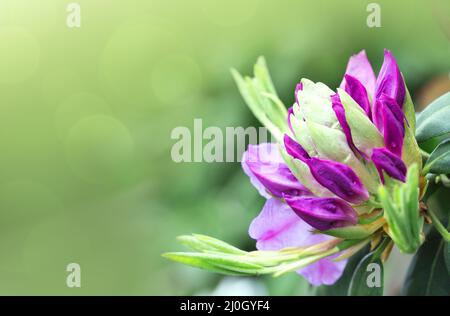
77,107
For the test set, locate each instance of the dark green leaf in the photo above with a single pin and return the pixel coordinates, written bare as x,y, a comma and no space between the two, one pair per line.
439,161
341,286
447,256
434,121
368,278
427,274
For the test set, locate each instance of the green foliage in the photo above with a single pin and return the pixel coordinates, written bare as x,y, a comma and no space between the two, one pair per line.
400,202
341,287
262,99
439,160
364,272
428,273
433,123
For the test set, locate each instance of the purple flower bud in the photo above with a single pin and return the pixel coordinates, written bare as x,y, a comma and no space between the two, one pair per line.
358,92
390,121
340,114
390,81
386,161
339,179
323,213
359,68
295,149
268,171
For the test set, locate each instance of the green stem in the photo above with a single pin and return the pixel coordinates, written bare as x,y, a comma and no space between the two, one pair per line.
439,227
381,248
425,155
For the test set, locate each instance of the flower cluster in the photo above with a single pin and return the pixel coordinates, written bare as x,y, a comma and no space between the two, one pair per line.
339,151
345,171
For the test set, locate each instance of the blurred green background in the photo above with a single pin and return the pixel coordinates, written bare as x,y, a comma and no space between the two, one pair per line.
86,114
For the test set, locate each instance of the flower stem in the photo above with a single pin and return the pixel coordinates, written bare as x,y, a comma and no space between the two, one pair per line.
439,227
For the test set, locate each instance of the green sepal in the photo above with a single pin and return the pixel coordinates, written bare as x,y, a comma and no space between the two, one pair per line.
400,202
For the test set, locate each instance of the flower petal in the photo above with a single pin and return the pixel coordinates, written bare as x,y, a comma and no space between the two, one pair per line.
290,112
277,227
324,271
340,114
390,80
360,68
268,171
358,92
298,88
295,149
323,213
314,102
390,163
390,121
365,133
339,179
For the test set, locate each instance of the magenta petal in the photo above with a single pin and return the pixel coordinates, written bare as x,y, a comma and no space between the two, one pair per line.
298,88
390,121
339,110
390,81
295,149
290,112
390,163
323,213
339,179
270,173
265,153
393,130
359,67
278,181
277,227
358,93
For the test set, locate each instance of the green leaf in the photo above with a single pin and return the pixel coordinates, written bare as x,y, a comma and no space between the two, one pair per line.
427,274
219,245
341,286
439,160
447,256
261,97
434,121
219,263
368,278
